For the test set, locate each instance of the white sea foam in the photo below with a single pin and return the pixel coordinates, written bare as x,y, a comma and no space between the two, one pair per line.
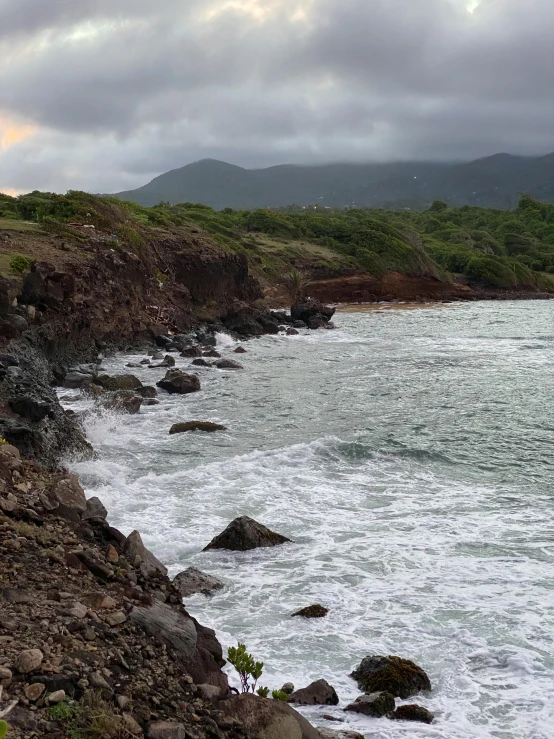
391,452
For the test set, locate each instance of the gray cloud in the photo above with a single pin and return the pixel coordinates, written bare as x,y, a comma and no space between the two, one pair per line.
105,94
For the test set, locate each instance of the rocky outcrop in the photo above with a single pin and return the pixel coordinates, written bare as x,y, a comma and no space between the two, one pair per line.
306,309
206,426
318,693
135,551
192,581
373,704
175,629
243,534
178,382
315,611
268,719
401,678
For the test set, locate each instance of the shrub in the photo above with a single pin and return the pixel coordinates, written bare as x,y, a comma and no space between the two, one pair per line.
249,671
20,263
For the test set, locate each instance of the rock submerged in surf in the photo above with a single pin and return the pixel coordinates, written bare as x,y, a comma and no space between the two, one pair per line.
192,581
318,693
374,704
207,426
229,364
412,712
178,382
243,534
399,677
314,611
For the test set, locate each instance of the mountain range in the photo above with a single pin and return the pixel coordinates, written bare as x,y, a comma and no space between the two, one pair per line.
497,181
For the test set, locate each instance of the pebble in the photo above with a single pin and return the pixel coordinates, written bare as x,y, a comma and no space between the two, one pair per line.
115,619
5,673
34,691
56,697
78,611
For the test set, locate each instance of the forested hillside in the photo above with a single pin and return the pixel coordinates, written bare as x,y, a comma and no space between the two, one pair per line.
506,250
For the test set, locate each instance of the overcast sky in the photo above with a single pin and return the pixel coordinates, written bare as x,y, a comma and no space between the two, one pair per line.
103,95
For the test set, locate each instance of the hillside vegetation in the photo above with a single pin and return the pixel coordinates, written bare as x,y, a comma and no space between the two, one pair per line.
497,249
491,182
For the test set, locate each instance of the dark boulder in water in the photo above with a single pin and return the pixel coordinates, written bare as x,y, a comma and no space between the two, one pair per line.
399,677
124,401
239,350
192,351
306,308
413,712
318,693
194,581
178,382
208,426
118,382
147,391
243,534
314,611
374,704
228,364
200,362
292,332
212,353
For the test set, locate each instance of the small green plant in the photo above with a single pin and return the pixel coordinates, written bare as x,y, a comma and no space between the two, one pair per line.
3,441
3,729
20,263
279,695
249,670
60,712
263,692
296,283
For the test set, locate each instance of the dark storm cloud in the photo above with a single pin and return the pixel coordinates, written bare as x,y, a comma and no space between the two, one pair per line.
117,91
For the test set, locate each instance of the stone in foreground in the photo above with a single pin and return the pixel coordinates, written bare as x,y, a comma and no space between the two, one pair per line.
400,677
318,693
178,382
315,611
413,712
243,534
207,426
193,581
269,719
374,704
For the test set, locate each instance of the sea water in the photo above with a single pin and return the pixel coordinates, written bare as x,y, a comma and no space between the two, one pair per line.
408,454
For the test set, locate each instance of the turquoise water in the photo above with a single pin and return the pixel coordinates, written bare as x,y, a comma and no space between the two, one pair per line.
409,456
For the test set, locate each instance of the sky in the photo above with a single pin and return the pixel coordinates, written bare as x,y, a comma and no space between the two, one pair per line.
103,95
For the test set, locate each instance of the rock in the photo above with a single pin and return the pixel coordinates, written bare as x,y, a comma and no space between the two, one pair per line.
332,734
165,730
176,381
95,510
412,712
18,322
29,660
315,611
150,401
28,407
118,382
209,692
315,322
123,702
269,719
244,533
239,350
5,674
305,308
68,683
123,401
99,601
57,697
228,364
74,380
208,426
201,363
162,341
70,496
287,688
133,548
34,691
169,625
131,726
400,677
116,619
193,581
147,391
111,555
97,680
78,610
318,693
169,361
374,704
292,332
192,351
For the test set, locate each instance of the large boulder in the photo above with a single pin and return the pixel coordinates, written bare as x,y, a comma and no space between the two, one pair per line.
399,677
69,496
228,364
268,719
122,401
169,625
315,611
244,533
193,581
31,408
306,308
374,704
178,382
118,382
318,693
207,426
139,556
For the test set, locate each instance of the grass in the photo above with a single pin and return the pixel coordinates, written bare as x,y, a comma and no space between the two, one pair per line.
91,718
12,224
